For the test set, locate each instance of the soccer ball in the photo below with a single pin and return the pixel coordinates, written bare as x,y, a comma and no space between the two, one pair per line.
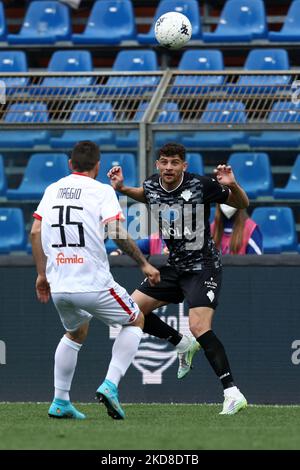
173,30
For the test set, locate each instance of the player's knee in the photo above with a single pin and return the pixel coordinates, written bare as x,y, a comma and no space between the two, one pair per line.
140,320
199,327
79,335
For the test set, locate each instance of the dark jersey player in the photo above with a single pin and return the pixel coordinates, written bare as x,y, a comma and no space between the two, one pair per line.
180,203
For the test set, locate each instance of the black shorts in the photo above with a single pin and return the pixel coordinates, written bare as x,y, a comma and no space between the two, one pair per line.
199,289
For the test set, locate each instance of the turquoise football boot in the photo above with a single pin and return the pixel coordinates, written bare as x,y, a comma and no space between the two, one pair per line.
107,393
63,409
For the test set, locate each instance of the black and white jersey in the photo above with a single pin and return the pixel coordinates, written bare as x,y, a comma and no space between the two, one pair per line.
183,215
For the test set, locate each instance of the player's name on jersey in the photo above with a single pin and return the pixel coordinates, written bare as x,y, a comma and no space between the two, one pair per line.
69,193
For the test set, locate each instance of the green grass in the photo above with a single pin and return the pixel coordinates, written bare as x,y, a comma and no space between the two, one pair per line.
151,426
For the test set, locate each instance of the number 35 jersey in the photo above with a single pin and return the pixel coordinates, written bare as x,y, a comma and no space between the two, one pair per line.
73,214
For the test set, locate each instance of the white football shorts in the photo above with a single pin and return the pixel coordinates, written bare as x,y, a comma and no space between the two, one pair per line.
113,306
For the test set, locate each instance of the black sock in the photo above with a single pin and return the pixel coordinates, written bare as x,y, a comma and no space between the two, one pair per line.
156,327
216,356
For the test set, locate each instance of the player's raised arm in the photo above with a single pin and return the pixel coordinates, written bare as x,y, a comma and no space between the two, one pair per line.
121,237
237,196
117,181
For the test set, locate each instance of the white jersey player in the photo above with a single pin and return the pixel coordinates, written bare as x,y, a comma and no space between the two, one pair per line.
68,248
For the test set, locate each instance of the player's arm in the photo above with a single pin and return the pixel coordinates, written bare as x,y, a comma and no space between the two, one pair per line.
42,286
237,196
121,237
117,181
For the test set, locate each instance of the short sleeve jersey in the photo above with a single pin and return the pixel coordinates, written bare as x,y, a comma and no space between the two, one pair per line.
73,212
183,218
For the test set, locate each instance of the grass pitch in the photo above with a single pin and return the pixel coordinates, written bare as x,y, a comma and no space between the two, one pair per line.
151,427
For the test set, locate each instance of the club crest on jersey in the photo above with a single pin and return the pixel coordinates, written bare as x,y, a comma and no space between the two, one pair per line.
154,356
186,194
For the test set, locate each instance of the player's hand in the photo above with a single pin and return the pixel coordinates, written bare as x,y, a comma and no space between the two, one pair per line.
152,274
42,288
116,177
224,175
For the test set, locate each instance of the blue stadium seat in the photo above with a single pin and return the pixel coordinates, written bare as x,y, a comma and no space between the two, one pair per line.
23,113
42,170
224,112
45,23
253,172
219,112
13,61
12,230
265,59
292,189
132,61
2,23
110,22
240,20
86,112
125,160
203,60
67,61
277,225
170,113
290,30
282,112
3,182
189,8
195,163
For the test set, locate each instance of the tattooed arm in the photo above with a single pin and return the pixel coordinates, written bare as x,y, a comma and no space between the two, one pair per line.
121,237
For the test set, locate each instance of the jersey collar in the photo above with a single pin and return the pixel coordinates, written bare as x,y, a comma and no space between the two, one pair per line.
170,191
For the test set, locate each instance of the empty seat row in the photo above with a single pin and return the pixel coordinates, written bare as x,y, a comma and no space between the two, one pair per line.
252,170
277,225
113,21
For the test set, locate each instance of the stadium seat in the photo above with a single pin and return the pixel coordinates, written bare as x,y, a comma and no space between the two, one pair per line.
3,182
240,20
195,163
169,113
189,8
45,23
2,23
282,112
110,22
277,225
14,62
219,112
290,30
125,160
132,61
12,230
86,112
201,60
67,61
253,172
42,170
25,113
265,59
292,189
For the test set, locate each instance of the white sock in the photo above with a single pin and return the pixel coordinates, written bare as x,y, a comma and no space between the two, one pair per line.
183,344
231,391
124,349
64,368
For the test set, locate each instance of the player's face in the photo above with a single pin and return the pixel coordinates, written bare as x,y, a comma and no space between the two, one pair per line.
171,168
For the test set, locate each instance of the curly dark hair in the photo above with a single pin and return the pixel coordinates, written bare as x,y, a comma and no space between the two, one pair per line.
172,149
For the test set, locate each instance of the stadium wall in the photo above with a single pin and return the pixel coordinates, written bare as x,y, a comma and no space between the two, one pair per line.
257,320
